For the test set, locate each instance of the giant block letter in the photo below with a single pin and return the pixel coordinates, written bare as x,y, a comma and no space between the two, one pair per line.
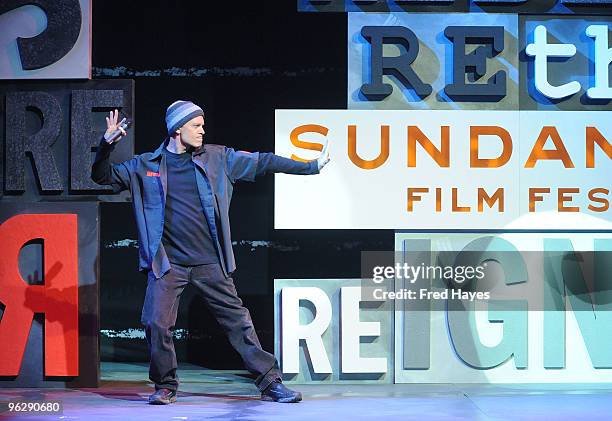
82,136
57,298
461,319
540,49
603,57
475,63
62,32
38,146
294,332
398,66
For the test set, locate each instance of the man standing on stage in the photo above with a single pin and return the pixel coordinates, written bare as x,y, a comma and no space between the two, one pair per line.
181,195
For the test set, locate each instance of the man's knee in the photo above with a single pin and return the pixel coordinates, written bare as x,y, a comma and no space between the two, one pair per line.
157,326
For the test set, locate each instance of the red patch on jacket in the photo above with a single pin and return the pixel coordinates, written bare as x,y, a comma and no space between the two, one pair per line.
152,174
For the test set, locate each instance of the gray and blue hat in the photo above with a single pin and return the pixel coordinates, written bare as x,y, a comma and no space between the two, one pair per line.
179,113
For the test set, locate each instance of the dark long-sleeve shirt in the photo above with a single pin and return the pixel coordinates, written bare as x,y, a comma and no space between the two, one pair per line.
186,236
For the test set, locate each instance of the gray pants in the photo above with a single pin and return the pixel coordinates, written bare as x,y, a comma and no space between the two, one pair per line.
219,293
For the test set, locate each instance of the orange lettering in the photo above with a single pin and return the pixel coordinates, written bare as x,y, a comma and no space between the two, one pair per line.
475,132
538,153
311,146
363,163
483,197
605,203
441,156
414,198
457,208
562,197
535,197
594,136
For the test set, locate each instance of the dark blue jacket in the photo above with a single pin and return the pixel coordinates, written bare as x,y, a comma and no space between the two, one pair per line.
217,169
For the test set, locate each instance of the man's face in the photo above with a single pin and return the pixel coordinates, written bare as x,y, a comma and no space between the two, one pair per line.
192,132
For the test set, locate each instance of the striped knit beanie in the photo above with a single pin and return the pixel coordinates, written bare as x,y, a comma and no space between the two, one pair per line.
179,113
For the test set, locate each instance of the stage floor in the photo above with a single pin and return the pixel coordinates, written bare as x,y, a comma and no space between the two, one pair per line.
225,395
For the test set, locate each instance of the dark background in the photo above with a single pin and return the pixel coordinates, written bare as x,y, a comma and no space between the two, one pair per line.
239,61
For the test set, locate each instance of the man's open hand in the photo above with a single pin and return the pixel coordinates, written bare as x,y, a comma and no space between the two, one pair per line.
324,158
112,126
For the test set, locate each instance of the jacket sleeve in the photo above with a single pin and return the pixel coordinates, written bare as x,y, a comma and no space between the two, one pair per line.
240,165
271,163
115,175
246,166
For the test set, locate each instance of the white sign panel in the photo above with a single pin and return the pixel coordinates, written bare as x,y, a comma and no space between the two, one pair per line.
426,169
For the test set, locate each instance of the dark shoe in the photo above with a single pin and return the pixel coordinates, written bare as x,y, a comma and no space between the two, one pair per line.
162,397
278,392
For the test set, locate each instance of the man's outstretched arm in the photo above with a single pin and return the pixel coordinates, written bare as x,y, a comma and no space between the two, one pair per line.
271,163
102,172
245,166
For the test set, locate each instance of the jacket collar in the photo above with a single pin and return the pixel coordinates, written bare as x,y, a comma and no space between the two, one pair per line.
158,152
200,150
